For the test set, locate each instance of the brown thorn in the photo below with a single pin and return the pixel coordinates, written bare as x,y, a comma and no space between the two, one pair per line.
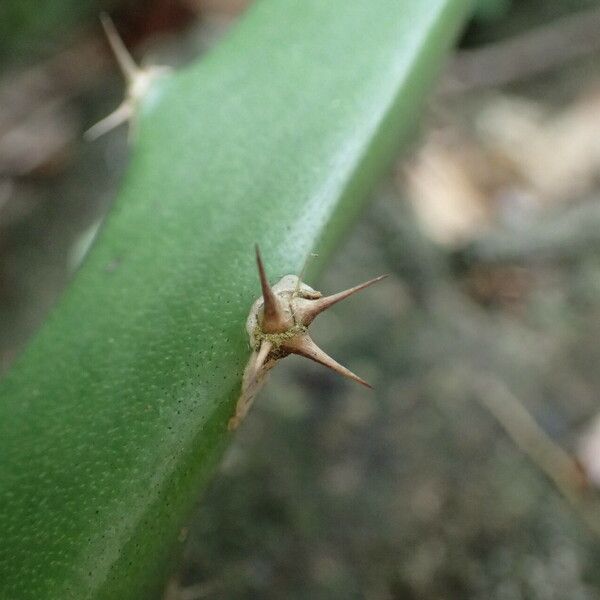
304,346
316,307
272,316
265,347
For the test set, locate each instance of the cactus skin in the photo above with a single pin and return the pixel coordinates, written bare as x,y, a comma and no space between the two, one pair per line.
117,412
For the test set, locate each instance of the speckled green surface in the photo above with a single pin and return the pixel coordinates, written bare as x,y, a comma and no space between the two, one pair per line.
117,411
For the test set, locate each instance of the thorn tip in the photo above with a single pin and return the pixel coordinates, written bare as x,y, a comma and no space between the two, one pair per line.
303,345
315,308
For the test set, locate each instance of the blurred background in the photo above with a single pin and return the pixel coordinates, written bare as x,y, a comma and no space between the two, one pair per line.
473,470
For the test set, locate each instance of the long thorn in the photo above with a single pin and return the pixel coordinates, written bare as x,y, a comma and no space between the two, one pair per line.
316,307
304,346
126,63
272,313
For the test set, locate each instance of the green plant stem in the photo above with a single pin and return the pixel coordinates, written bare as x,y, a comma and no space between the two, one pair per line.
117,412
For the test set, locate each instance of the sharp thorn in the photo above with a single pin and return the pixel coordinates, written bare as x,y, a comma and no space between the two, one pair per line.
304,346
124,59
316,307
271,312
